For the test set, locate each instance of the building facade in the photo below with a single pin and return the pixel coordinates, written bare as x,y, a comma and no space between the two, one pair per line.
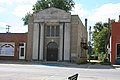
13,46
56,35
115,42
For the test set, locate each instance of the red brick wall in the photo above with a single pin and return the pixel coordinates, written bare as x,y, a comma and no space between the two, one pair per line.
16,38
115,40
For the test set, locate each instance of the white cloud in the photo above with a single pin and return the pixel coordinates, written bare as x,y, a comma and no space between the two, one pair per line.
79,10
2,9
19,29
21,10
17,1
3,27
104,12
13,28
26,1
3,24
21,7
99,13
24,6
7,1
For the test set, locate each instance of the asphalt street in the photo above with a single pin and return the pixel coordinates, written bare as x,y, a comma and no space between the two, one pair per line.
54,72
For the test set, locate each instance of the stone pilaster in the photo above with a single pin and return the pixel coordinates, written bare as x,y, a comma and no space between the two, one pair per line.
67,42
41,41
35,41
61,42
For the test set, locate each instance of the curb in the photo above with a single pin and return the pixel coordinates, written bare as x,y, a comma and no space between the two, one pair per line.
116,66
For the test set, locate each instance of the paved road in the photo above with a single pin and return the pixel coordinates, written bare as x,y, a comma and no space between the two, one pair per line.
48,72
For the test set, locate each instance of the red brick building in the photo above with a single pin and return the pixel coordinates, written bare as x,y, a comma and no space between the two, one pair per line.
115,42
13,46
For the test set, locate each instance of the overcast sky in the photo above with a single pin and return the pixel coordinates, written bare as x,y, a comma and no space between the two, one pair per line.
12,11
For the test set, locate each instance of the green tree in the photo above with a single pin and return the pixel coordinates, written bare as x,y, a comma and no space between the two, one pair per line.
98,26
25,19
101,36
43,4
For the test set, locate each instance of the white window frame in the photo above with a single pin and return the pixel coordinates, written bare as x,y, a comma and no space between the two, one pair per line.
22,57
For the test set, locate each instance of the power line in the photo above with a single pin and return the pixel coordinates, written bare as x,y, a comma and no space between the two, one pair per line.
8,28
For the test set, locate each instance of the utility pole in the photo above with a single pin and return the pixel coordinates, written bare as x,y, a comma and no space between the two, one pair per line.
107,41
89,49
8,28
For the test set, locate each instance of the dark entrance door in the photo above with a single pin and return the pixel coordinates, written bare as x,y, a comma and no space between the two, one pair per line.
52,52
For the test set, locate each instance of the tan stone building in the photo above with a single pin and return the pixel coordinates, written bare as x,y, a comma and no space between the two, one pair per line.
56,35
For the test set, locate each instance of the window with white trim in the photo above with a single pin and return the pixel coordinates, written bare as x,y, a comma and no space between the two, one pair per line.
7,49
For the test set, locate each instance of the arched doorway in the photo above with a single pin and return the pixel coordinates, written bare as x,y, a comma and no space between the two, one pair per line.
52,51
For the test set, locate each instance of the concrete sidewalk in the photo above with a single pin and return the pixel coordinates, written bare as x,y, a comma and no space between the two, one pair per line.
59,64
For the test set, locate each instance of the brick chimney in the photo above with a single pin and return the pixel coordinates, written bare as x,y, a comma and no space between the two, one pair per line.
119,18
86,23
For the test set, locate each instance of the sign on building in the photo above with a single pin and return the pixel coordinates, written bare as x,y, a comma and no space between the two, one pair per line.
7,49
